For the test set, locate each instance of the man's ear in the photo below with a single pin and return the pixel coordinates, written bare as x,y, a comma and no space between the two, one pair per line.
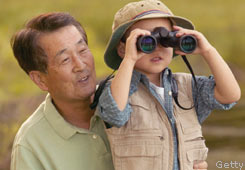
39,79
121,49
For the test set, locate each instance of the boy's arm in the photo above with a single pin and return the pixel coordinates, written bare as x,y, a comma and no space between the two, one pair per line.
109,111
226,89
113,103
121,83
206,101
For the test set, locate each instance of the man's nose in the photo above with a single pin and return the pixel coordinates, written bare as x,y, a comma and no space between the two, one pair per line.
78,64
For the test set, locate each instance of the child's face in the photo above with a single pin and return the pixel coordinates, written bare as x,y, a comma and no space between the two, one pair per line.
153,63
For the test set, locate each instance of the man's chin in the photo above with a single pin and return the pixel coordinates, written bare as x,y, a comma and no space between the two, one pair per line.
86,93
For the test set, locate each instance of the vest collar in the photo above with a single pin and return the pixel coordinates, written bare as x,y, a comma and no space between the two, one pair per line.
138,77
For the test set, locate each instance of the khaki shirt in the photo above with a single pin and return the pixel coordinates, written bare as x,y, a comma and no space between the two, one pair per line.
47,141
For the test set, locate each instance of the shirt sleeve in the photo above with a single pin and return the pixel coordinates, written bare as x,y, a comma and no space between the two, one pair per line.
204,98
23,159
109,111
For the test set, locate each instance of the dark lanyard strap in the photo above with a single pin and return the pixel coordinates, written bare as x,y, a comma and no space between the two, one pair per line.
99,90
174,85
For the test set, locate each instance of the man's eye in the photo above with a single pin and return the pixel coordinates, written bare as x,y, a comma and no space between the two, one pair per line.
82,51
64,61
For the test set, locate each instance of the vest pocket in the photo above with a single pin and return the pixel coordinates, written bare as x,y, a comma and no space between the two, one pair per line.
144,117
195,155
194,148
189,122
138,157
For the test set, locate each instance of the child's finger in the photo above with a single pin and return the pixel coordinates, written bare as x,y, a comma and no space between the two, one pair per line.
177,28
182,31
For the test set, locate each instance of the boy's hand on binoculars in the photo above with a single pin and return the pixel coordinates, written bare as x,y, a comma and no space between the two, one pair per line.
131,51
203,46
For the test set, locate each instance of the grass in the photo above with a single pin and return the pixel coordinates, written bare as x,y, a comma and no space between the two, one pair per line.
225,137
234,118
232,143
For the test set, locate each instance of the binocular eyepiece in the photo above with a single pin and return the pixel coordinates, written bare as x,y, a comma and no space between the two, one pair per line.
148,43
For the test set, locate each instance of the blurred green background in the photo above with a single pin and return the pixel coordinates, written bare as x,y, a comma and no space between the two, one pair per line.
221,21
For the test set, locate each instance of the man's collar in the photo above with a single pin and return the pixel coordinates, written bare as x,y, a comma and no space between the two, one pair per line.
59,124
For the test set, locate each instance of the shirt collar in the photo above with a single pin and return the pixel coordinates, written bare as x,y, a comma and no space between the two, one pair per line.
59,124
166,83
138,77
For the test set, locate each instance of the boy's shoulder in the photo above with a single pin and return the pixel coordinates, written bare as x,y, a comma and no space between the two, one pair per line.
182,77
184,84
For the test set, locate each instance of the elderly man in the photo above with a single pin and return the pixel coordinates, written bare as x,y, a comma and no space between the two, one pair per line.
63,133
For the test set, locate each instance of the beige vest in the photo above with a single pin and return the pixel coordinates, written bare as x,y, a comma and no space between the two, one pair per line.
145,142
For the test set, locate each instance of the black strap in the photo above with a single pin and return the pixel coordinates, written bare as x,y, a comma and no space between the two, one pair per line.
174,85
190,68
99,90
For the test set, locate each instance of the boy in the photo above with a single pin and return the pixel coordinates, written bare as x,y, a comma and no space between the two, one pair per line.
149,131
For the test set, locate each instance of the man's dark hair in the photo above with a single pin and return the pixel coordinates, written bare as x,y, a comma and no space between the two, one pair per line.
25,43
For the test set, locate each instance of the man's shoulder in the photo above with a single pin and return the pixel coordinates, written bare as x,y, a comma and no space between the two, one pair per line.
31,125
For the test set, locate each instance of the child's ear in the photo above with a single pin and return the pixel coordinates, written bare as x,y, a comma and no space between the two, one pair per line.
39,79
121,49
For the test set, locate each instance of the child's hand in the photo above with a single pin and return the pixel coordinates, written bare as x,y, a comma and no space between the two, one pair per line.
203,46
131,51
224,93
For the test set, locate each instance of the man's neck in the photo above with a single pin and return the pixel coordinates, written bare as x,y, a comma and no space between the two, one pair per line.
78,113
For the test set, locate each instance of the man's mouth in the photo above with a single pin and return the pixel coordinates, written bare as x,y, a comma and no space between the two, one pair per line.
83,79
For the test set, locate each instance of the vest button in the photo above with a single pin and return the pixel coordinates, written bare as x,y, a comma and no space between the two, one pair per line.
161,137
170,93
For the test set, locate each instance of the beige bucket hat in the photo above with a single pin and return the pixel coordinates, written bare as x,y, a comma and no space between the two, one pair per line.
132,13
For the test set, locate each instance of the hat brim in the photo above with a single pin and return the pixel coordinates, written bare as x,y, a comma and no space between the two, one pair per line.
111,57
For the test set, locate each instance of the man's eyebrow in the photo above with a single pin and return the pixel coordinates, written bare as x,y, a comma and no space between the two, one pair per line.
80,41
60,52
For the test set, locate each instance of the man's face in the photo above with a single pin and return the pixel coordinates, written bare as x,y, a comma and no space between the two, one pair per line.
70,73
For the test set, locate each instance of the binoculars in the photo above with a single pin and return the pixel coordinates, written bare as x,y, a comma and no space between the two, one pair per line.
148,43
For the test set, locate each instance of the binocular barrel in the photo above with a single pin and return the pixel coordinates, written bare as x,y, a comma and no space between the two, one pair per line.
148,43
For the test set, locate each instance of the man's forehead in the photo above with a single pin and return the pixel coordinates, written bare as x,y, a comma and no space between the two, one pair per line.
60,52
63,38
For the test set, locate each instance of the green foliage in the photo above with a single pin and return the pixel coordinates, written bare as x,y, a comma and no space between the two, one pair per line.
220,21
7,133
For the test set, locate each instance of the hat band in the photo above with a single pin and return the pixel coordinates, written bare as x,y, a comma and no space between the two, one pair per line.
150,12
